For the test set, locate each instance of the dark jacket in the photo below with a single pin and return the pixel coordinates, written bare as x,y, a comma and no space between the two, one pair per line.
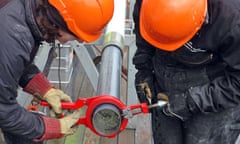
19,39
220,39
207,67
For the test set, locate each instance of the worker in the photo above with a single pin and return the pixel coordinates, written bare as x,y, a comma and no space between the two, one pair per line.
188,55
25,24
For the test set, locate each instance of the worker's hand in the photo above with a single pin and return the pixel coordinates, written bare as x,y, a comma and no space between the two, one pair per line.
54,97
68,123
180,106
144,84
40,87
57,128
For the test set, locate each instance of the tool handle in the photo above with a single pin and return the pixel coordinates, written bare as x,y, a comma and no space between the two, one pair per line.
67,105
64,105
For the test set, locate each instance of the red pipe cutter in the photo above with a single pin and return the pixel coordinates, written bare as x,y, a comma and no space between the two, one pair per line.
105,115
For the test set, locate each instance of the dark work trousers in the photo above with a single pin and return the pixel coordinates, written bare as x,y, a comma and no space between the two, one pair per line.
166,130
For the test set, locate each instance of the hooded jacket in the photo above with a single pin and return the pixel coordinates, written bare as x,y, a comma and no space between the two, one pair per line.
19,39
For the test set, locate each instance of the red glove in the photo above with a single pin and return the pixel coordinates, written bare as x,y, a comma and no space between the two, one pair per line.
38,85
52,129
41,88
57,128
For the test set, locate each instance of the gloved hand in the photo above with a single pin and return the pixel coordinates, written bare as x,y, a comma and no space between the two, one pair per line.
57,128
40,87
67,123
180,106
54,98
144,84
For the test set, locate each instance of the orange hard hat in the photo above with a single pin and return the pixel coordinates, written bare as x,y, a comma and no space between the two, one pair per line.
86,19
169,24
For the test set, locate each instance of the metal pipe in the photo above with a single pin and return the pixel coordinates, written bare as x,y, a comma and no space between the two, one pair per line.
110,70
109,81
106,119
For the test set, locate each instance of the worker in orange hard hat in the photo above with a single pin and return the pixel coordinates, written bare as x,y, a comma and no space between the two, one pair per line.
25,24
188,55
174,25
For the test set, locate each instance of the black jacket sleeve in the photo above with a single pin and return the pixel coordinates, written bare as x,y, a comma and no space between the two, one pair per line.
28,74
144,53
224,91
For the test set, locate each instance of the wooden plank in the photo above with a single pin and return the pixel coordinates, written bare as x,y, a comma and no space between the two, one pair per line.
105,140
127,137
90,137
143,129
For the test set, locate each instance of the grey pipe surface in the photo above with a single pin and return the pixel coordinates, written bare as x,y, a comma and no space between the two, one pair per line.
110,72
107,117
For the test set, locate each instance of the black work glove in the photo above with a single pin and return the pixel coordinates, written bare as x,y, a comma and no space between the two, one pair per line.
181,106
144,84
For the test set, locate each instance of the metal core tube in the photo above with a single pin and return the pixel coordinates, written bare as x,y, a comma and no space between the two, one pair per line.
107,117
